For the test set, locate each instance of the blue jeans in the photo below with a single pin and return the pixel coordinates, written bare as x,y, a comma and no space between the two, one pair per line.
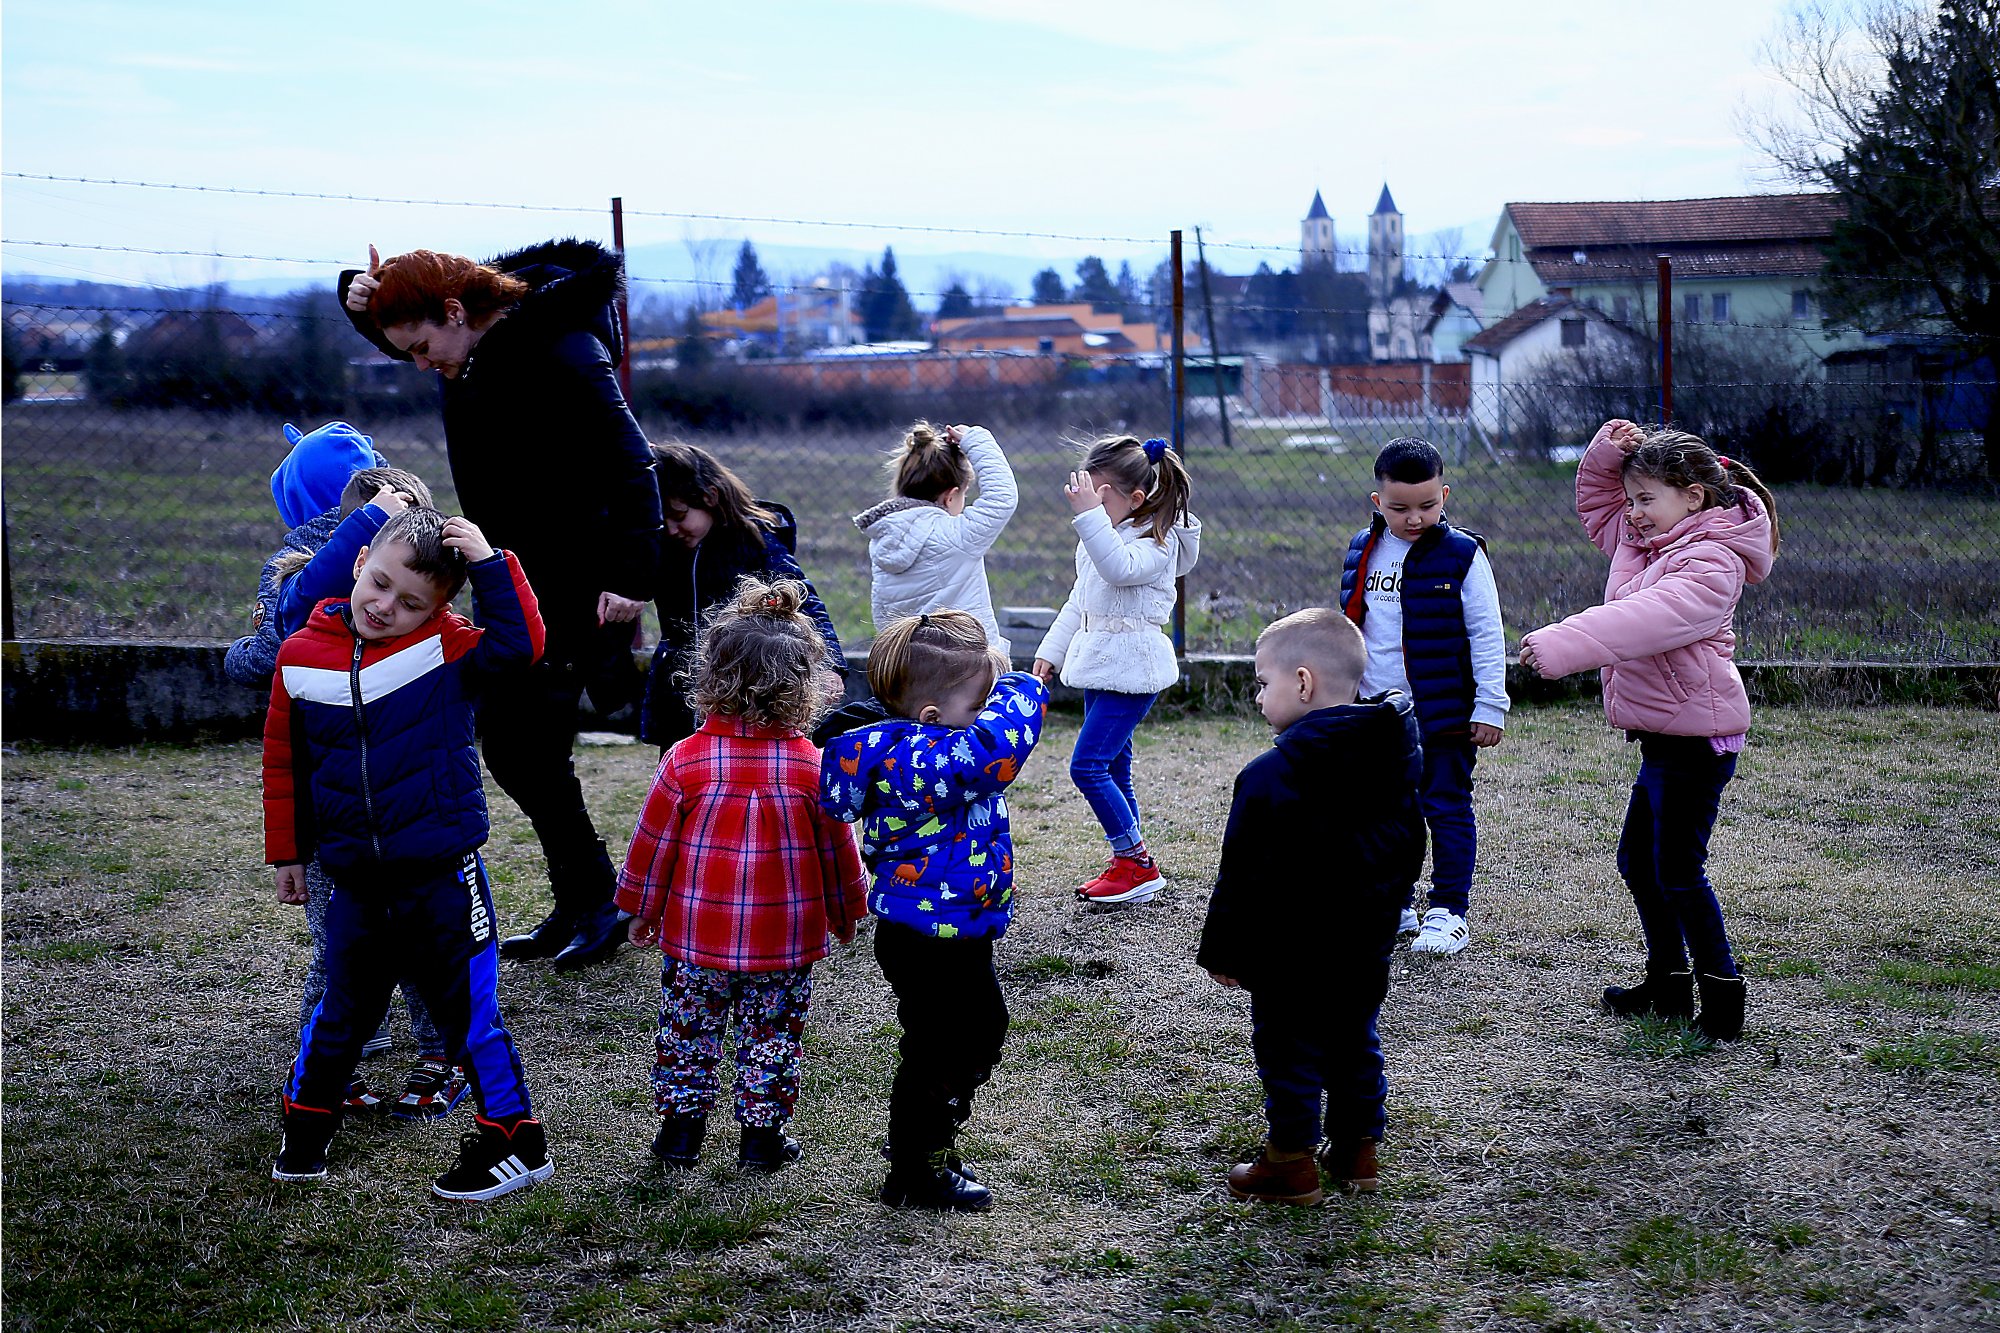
1101,764
1447,802
1663,852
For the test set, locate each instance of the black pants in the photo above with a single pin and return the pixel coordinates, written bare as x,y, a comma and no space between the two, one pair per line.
527,729
954,1021
1316,1037
1663,852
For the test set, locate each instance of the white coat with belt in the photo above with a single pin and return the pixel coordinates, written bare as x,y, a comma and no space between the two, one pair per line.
1108,635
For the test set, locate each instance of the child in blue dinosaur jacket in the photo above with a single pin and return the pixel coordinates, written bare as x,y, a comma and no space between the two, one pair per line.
334,493
927,783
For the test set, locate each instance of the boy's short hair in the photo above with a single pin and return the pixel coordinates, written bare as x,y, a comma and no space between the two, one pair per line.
361,488
920,659
422,530
1318,637
1409,459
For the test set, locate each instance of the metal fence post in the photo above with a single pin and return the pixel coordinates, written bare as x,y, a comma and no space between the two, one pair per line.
1180,416
1666,279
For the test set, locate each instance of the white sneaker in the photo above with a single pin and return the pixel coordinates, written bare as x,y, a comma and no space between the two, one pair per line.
1444,931
1408,925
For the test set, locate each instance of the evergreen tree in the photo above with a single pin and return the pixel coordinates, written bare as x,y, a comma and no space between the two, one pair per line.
1129,299
886,312
750,284
104,377
956,303
1048,288
1093,283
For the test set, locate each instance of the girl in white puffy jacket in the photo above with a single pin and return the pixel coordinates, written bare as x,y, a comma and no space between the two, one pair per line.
927,546
1135,536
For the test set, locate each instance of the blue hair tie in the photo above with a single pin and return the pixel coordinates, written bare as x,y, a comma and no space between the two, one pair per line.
1155,450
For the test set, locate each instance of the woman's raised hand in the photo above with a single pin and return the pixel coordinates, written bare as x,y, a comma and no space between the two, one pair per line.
364,284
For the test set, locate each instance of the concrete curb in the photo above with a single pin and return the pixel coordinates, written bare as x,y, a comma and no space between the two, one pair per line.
119,692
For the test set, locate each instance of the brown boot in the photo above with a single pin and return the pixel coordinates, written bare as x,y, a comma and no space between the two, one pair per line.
1277,1177
1351,1166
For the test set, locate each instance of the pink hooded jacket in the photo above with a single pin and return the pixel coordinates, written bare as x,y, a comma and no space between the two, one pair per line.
1662,635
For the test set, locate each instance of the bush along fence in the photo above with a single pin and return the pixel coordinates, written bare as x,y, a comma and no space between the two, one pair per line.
140,442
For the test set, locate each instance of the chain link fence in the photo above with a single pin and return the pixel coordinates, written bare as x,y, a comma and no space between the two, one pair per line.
139,443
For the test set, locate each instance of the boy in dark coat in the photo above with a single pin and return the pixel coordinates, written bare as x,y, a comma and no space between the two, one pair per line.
1325,833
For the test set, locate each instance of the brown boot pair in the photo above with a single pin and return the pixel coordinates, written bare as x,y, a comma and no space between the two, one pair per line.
1278,1177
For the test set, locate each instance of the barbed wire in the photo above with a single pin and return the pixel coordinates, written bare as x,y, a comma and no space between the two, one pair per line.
1250,247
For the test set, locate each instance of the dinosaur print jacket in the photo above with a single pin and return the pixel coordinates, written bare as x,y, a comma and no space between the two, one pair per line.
933,810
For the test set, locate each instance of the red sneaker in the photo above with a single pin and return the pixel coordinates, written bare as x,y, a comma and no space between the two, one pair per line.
1125,880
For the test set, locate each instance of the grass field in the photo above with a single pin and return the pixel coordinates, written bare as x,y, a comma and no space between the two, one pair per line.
155,524
1546,1168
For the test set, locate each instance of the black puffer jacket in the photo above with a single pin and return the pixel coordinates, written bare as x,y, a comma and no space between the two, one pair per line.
545,454
1325,837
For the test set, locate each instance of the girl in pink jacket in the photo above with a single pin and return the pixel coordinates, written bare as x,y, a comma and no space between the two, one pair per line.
1686,529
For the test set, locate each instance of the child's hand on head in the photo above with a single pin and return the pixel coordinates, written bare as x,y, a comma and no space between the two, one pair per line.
954,435
463,536
390,501
1625,435
1082,492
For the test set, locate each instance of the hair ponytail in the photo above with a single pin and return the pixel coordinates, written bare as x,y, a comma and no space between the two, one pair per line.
928,464
1151,467
1743,477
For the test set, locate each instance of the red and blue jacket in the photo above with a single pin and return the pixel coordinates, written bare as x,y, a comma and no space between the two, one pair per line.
369,759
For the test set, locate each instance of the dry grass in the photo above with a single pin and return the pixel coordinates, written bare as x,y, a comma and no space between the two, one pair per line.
1547,1168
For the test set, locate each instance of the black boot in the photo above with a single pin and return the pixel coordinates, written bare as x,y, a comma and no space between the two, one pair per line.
557,929
1667,994
678,1144
599,932
1721,1007
929,1183
767,1148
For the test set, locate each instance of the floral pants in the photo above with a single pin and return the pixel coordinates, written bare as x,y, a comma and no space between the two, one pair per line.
697,1005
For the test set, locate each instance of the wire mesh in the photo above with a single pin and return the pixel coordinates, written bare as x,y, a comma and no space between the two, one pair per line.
139,444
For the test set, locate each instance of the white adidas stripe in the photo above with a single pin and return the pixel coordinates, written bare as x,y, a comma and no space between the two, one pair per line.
327,685
508,1168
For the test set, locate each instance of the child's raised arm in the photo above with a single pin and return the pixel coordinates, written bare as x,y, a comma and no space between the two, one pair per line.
1692,601
999,494
1600,483
1123,564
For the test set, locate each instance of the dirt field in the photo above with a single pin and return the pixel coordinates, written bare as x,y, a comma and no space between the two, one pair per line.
1547,1168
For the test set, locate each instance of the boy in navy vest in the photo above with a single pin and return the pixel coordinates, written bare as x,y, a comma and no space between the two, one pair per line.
1423,594
1325,835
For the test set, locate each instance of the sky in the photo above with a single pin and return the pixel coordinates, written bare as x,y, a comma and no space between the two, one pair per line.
1113,120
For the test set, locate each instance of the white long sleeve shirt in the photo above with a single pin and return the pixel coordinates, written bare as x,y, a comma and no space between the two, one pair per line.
1382,627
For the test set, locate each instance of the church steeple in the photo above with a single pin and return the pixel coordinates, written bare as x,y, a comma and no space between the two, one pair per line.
1316,247
1385,249
1385,204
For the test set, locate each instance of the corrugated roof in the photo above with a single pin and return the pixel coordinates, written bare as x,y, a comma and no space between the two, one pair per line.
1060,327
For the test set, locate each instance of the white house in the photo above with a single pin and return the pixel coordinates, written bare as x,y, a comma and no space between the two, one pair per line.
1530,347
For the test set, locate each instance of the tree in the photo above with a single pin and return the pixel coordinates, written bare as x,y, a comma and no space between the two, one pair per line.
886,312
1129,299
1093,283
694,353
750,284
1048,288
956,303
1906,130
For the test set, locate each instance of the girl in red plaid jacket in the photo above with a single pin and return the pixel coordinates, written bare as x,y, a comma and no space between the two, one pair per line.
739,874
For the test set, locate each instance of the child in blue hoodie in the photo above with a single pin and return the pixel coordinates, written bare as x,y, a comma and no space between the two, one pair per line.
927,784
335,493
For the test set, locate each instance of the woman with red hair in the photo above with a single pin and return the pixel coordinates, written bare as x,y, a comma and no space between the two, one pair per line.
550,463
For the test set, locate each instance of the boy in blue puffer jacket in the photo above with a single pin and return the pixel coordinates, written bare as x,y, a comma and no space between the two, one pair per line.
927,784
369,763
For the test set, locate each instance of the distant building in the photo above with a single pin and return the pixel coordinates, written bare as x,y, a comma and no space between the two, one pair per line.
1317,248
1742,260
1529,345
1385,249
1454,317
1077,329
821,315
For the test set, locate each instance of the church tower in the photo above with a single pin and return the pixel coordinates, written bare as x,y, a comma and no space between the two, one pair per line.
1385,249
1316,237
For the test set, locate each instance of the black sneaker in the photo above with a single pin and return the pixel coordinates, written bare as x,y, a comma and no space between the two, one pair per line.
767,1149
302,1151
932,1184
678,1144
432,1092
495,1160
